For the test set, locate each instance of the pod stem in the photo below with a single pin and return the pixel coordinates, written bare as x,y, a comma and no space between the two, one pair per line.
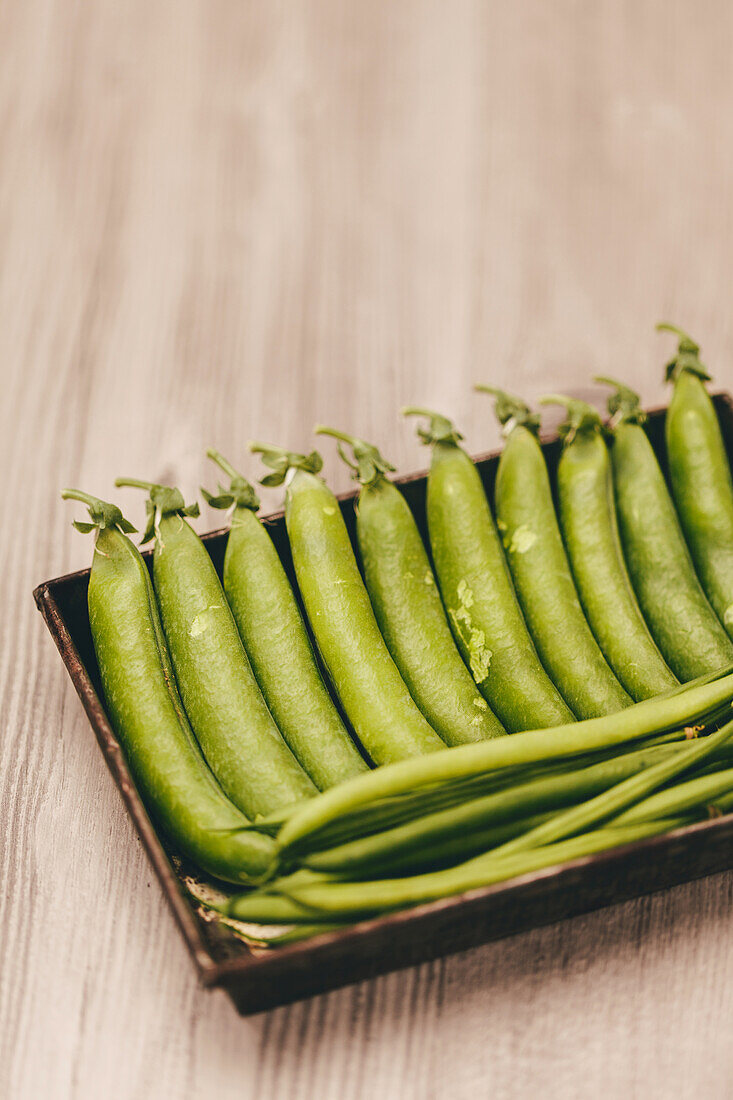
222,463
240,493
164,500
84,498
101,512
134,483
581,417
336,433
368,465
687,357
623,405
510,411
281,462
440,429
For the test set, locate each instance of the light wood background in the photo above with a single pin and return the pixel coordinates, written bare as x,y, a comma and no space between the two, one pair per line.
228,219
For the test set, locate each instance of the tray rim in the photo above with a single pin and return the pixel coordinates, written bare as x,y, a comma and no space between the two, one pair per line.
269,963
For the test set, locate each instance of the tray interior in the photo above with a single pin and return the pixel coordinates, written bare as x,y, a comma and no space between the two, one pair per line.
259,978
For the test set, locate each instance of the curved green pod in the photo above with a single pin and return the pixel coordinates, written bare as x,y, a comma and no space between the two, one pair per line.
539,566
682,622
590,530
700,476
147,714
477,590
407,604
276,641
228,714
374,696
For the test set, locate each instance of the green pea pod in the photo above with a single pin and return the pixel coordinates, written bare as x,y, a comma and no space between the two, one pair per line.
147,714
229,716
407,604
682,622
477,590
276,641
541,572
374,696
700,476
590,530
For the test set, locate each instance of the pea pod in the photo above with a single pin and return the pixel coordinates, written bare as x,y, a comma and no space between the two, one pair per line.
407,604
276,641
682,622
229,716
541,572
477,590
700,476
145,709
590,530
374,696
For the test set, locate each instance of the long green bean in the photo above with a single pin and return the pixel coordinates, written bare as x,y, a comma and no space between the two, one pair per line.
701,790
652,716
468,821
327,901
627,793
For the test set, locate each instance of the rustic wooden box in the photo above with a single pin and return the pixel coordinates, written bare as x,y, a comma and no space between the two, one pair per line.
258,979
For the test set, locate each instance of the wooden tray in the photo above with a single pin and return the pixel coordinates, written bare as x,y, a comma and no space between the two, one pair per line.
258,979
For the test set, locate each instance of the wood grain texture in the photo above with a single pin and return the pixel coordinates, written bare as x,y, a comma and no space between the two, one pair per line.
224,220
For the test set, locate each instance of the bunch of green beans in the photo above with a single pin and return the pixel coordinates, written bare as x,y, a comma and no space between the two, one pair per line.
605,805
340,743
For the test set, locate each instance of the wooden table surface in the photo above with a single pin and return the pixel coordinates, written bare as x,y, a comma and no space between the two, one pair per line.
229,220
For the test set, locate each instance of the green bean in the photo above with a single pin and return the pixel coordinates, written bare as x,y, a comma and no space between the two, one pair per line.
465,824
477,590
407,604
700,476
224,704
580,818
373,695
699,791
147,714
327,901
447,849
652,716
268,908
540,569
397,809
391,813
682,622
301,876
394,812
590,531
276,641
